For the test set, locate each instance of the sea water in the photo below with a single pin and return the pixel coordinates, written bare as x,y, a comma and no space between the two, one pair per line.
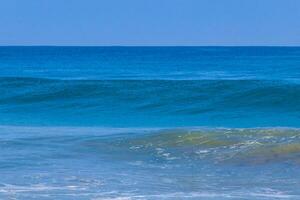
149,123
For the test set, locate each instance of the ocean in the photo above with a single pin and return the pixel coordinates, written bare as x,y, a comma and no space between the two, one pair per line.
149,123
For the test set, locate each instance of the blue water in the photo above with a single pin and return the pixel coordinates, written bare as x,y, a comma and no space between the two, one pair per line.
149,123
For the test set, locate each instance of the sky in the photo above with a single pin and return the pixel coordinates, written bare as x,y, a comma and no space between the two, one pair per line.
150,22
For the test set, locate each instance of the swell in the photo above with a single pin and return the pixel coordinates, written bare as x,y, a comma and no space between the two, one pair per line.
190,100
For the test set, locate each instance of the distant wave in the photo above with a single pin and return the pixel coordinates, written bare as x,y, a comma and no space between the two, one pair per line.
97,100
197,96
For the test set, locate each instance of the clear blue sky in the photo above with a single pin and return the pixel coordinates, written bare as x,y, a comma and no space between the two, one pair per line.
150,22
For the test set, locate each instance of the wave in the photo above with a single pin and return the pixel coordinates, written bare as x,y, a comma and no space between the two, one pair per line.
243,92
232,146
242,146
154,102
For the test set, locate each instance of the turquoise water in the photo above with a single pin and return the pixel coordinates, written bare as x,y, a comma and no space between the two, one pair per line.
149,122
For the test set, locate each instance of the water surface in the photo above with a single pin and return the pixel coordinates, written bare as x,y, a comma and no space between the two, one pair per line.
149,122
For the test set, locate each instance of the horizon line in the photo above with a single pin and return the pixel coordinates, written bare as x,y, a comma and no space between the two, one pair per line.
46,45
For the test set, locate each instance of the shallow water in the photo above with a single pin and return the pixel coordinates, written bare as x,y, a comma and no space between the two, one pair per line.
94,163
149,123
